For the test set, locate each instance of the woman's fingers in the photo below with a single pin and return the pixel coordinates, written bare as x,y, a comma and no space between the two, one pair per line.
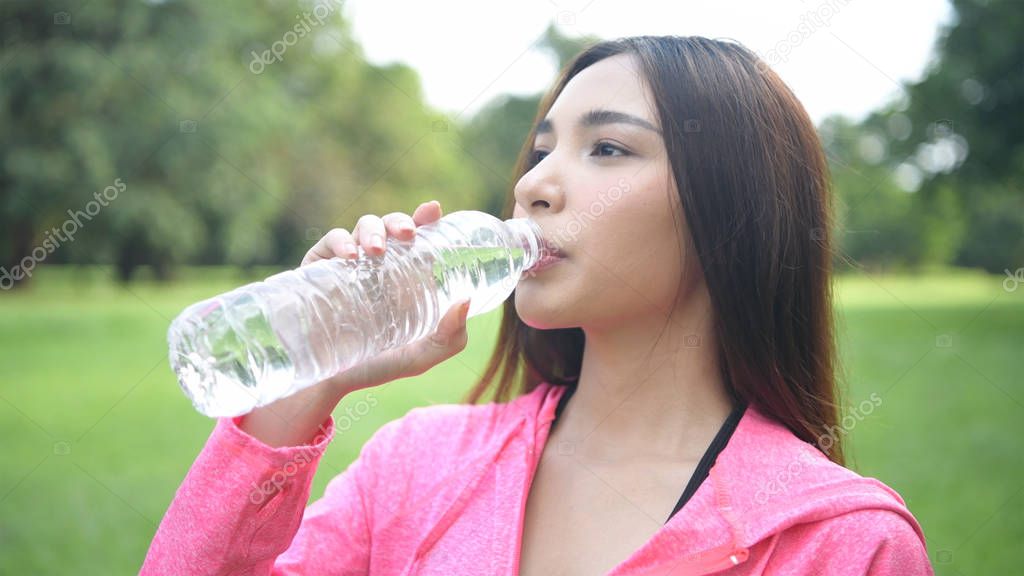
400,225
317,252
451,330
448,339
337,242
427,212
371,233
340,243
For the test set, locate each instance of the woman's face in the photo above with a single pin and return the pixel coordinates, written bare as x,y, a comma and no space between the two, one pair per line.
602,190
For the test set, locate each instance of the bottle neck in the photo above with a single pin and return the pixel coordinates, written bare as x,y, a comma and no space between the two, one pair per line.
527,234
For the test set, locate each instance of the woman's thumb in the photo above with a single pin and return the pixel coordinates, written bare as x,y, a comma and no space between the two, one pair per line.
451,326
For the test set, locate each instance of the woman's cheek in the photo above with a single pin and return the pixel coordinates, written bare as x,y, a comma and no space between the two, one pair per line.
651,271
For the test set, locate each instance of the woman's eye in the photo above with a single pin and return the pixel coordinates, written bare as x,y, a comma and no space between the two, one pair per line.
604,146
601,149
536,156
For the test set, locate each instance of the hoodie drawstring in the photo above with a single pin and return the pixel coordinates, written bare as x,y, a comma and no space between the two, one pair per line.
455,509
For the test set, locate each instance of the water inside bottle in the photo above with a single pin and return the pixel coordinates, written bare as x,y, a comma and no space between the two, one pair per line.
250,343
238,361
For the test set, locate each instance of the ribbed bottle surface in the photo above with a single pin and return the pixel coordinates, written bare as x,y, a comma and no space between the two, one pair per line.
267,340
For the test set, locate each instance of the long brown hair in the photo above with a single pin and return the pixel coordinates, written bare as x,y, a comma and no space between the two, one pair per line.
755,189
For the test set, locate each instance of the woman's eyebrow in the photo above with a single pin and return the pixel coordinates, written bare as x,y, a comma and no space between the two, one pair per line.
598,117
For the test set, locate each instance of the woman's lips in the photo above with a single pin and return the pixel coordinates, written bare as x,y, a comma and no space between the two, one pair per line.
547,260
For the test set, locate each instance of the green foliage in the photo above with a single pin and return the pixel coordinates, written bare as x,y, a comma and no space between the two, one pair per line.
958,130
496,134
241,134
884,222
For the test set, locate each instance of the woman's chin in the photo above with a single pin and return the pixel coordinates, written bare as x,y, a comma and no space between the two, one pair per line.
546,315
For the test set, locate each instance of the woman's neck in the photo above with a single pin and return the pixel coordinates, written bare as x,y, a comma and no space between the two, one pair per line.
649,389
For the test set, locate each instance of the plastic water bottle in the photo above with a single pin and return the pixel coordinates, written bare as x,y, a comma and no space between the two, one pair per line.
267,340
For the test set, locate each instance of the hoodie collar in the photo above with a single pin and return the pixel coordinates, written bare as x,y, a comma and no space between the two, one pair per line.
763,481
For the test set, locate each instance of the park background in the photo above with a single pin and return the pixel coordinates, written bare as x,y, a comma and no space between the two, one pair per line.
224,138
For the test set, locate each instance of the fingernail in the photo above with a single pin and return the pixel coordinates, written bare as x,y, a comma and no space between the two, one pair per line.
350,249
377,241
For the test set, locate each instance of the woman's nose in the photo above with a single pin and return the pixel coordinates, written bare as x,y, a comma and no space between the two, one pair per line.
540,190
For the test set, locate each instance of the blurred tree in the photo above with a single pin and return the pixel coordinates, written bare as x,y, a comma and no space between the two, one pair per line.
959,132
497,132
237,135
118,91
883,224
872,211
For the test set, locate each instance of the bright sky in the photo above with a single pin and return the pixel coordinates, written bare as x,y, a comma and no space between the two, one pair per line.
846,59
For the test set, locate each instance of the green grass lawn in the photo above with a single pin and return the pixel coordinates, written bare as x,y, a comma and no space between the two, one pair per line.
96,435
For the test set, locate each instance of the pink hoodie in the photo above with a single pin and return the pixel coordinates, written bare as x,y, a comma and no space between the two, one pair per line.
442,490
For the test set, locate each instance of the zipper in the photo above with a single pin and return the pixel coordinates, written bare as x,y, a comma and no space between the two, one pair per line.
734,558
533,459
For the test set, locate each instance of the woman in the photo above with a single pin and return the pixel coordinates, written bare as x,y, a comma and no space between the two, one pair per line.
683,345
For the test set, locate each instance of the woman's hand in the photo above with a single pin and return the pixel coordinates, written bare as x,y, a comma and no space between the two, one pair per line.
371,233
296,419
